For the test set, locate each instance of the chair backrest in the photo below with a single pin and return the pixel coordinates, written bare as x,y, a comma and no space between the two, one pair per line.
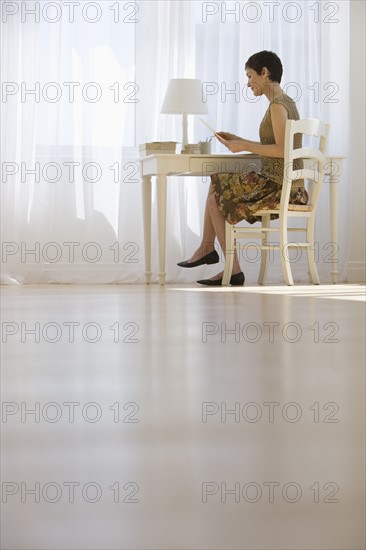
313,159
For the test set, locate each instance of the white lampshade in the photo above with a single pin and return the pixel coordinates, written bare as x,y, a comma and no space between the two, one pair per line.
184,95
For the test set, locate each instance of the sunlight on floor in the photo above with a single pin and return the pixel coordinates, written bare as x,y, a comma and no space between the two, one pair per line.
354,292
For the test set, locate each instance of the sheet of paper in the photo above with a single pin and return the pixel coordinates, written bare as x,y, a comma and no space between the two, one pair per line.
208,126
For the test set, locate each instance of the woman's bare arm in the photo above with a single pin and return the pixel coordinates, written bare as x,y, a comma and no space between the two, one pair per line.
236,144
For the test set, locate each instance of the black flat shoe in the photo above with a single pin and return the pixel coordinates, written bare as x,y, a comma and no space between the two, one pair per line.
211,258
235,280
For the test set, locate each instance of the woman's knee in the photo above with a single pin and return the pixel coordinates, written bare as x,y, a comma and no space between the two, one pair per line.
211,188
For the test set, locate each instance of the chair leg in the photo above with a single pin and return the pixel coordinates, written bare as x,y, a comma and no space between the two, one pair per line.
229,253
264,252
285,260
311,254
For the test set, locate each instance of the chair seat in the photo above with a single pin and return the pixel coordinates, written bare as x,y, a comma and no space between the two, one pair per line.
301,207
291,208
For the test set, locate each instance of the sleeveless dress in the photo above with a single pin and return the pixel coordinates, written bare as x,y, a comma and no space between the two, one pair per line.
240,195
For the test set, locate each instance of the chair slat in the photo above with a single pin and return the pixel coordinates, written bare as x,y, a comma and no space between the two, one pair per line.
308,153
303,173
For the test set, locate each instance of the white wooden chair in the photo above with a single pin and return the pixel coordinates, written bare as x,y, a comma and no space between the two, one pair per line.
313,171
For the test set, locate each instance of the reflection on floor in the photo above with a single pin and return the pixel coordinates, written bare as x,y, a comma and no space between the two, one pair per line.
181,417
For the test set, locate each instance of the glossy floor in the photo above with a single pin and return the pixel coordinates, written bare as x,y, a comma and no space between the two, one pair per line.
141,417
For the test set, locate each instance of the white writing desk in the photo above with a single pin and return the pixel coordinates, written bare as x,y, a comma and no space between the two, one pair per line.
163,166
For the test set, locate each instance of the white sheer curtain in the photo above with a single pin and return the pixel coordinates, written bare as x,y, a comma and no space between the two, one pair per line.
71,195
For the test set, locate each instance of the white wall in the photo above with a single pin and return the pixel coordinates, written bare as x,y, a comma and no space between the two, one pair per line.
357,260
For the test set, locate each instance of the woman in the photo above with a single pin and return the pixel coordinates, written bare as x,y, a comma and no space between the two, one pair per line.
236,197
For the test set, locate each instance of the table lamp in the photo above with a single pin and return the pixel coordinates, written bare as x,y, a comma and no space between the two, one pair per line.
184,96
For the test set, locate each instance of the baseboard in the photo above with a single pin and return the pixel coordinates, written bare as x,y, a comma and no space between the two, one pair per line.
356,272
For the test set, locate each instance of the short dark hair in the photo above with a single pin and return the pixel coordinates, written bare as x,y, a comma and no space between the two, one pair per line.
266,59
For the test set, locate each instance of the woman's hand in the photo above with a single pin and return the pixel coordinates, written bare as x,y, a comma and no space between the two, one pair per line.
234,143
227,136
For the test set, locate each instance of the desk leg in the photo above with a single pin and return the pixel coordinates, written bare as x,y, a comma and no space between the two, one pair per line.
334,199
161,199
146,198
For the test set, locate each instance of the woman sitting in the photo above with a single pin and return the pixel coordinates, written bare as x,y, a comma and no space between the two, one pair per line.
235,197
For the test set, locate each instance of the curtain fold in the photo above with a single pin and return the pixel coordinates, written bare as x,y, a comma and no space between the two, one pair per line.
80,93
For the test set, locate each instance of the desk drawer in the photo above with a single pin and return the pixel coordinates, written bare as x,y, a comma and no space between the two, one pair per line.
207,166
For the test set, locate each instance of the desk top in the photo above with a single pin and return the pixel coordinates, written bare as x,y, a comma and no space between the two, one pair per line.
219,155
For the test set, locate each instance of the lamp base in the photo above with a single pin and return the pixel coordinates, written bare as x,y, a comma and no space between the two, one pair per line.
184,130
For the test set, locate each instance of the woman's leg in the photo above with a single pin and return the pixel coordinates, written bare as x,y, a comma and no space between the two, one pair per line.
218,223
213,226
207,244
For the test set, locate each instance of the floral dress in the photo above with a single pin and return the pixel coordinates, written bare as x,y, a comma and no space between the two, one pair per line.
240,196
